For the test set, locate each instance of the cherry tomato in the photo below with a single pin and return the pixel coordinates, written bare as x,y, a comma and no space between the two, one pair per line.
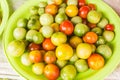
51,71
35,56
71,10
91,25
33,46
109,27
58,2
48,45
51,9
81,2
83,11
92,6
96,61
50,57
67,27
90,37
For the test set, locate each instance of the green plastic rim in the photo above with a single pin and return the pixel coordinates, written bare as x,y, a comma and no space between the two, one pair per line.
27,73
5,14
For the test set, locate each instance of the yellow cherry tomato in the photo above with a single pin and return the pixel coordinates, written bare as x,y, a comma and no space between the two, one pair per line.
58,2
64,52
71,10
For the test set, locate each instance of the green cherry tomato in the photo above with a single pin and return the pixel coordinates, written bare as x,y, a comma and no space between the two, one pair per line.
81,65
34,10
19,33
38,68
97,30
72,2
76,20
68,72
100,40
42,4
103,22
47,31
38,38
93,16
58,38
41,11
108,35
80,29
61,63
46,19
22,22
104,50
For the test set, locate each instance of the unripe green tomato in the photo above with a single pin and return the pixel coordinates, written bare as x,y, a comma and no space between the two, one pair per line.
36,17
47,31
58,38
34,10
100,40
76,20
46,19
80,29
34,24
42,4
108,35
105,51
38,38
81,65
94,17
41,11
68,72
72,2
61,63
63,5
97,30
30,34
38,68
60,17
22,23
61,10
19,33
25,60
103,22
16,48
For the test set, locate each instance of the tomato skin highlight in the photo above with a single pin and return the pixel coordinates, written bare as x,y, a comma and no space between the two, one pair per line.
67,27
83,11
48,45
51,71
96,61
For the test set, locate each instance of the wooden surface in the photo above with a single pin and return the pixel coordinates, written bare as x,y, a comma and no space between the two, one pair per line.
6,70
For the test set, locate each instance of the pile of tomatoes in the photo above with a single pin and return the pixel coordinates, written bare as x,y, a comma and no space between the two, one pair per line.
61,38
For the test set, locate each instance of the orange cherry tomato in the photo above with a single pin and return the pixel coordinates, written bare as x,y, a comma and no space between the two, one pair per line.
50,57
35,56
33,46
51,71
51,9
48,45
67,27
90,37
96,61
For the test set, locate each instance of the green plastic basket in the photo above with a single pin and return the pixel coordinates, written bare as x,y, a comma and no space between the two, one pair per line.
27,73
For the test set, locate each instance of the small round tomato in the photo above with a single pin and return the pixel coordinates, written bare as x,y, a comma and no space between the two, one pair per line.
71,10
35,56
48,45
81,2
67,27
109,27
55,27
64,52
58,2
51,71
84,50
51,9
90,37
92,6
91,25
96,61
50,57
83,11
33,46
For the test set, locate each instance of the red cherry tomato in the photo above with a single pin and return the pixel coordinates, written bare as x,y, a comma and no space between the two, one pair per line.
81,2
48,45
51,71
33,46
35,56
67,27
50,57
83,11
109,27
92,6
